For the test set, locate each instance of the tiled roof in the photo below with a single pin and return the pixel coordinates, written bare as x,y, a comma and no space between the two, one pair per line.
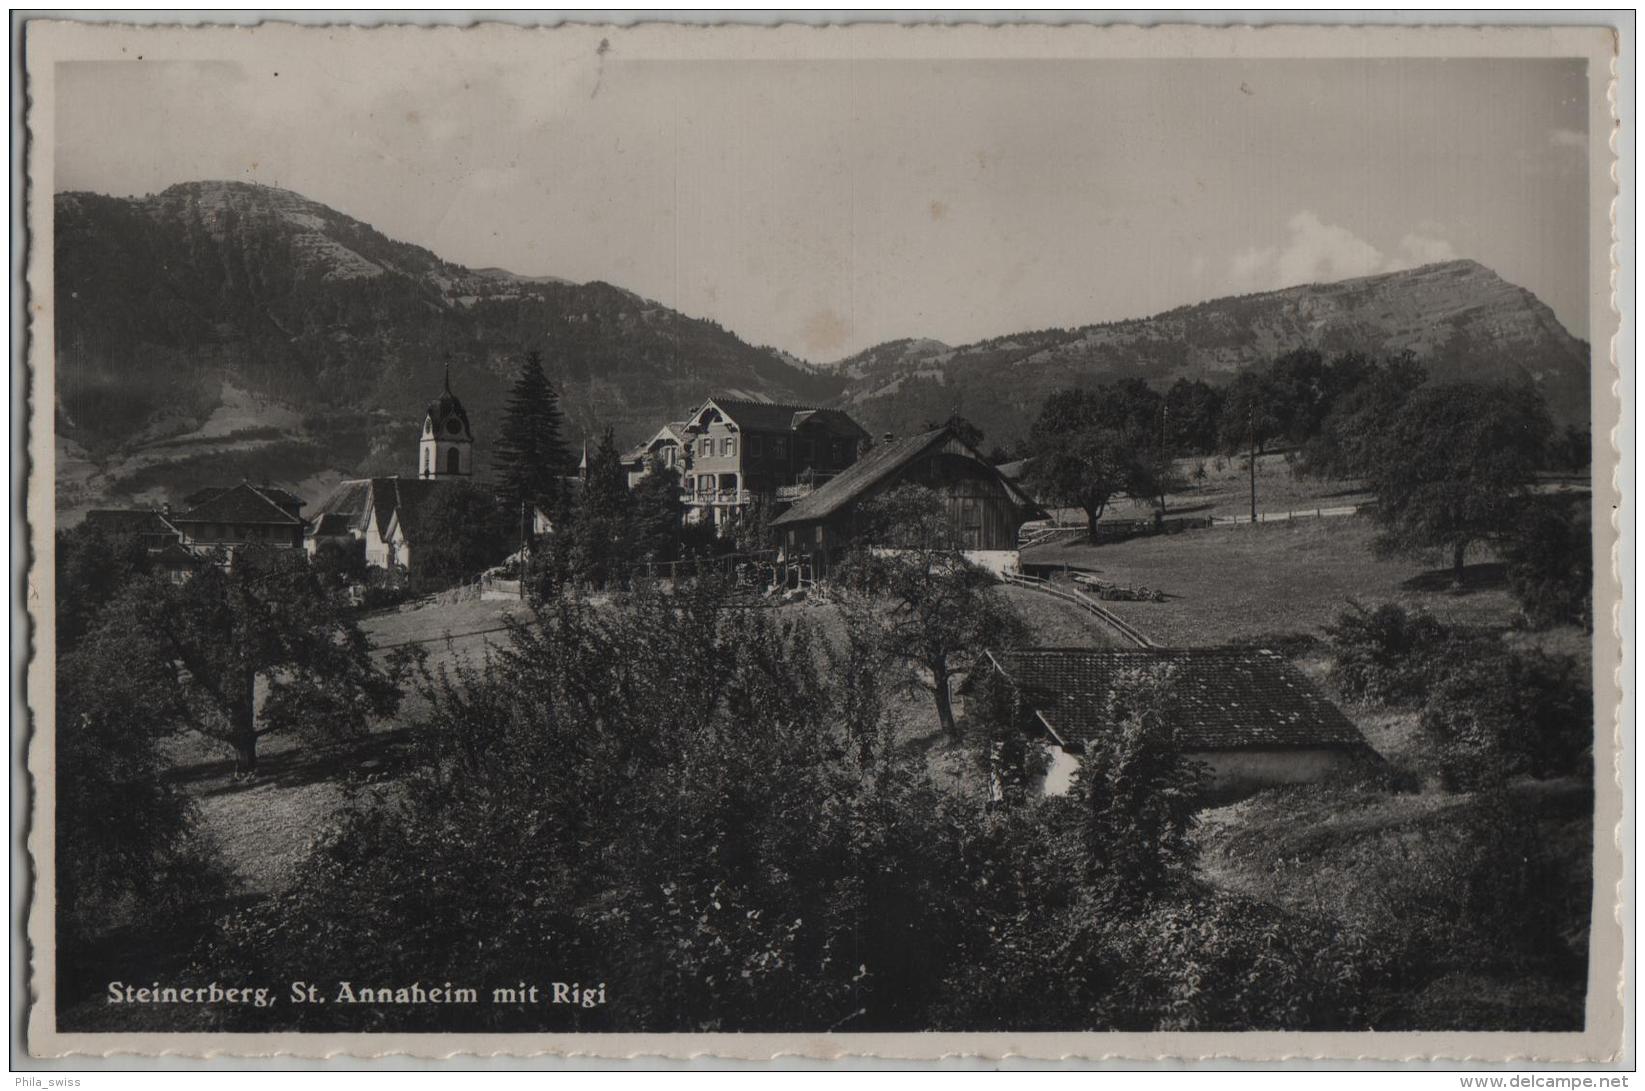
1227,698
875,466
674,429
129,521
243,503
352,501
175,556
780,417
333,524
411,496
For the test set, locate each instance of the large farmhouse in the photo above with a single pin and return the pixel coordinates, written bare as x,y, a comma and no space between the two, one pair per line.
985,510
226,519
1248,714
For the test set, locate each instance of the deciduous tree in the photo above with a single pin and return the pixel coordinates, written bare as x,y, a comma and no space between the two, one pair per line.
941,613
1455,465
267,620
1090,446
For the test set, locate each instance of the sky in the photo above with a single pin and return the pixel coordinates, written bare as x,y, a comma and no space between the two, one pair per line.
823,207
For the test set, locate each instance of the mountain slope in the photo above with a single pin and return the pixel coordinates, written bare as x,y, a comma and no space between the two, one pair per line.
1460,318
223,329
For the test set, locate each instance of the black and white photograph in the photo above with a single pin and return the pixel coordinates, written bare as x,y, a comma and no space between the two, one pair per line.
831,533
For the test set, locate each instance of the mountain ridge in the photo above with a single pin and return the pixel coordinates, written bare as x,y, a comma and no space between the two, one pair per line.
1459,317
226,329
178,311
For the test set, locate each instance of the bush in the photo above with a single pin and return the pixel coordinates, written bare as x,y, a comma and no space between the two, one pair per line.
1388,655
1495,716
1550,565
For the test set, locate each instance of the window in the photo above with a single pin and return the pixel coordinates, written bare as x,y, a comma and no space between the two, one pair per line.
454,461
803,449
729,447
779,448
425,461
754,446
819,534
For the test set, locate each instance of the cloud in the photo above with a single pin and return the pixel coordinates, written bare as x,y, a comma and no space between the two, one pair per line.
1417,249
1568,138
1315,251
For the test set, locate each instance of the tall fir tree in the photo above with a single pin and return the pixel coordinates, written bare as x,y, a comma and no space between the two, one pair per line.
531,454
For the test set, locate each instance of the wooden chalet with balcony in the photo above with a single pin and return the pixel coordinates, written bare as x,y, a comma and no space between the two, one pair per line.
735,451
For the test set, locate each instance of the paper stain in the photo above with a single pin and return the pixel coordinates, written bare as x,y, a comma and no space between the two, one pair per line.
824,331
938,210
599,61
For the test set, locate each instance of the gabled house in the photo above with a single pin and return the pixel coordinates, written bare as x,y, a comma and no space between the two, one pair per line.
985,510
379,512
227,519
1248,714
667,447
736,450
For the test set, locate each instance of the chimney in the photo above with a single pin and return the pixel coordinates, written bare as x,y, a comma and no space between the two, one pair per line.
888,437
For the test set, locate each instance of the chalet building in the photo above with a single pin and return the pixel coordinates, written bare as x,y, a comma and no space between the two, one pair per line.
667,447
985,510
380,515
1248,714
733,451
227,519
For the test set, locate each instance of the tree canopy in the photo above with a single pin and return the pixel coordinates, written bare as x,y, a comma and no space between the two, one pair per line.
266,622
940,613
1089,446
1454,465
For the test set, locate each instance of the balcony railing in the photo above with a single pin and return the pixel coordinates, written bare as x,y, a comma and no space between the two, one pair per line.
718,496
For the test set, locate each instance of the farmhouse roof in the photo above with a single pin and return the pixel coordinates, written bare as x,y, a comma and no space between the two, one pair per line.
350,501
1227,698
1013,471
129,521
781,417
411,497
244,503
332,524
174,556
875,466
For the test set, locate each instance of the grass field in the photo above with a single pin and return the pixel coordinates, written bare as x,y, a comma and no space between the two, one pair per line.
1238,583
1226,490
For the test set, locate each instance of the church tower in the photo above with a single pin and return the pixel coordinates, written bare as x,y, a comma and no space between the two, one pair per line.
447,447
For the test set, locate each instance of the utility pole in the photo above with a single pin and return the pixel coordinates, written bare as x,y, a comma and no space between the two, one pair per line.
1251,425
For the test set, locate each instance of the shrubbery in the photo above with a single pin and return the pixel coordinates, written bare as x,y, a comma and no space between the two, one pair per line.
1550,565
1490,711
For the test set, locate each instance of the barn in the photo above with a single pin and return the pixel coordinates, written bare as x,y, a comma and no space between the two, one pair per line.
1248,714
985,509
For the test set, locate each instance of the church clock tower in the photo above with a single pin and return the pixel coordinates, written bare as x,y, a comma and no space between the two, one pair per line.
447,447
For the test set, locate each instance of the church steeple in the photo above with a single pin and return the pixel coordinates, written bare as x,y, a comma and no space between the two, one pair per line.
447,445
